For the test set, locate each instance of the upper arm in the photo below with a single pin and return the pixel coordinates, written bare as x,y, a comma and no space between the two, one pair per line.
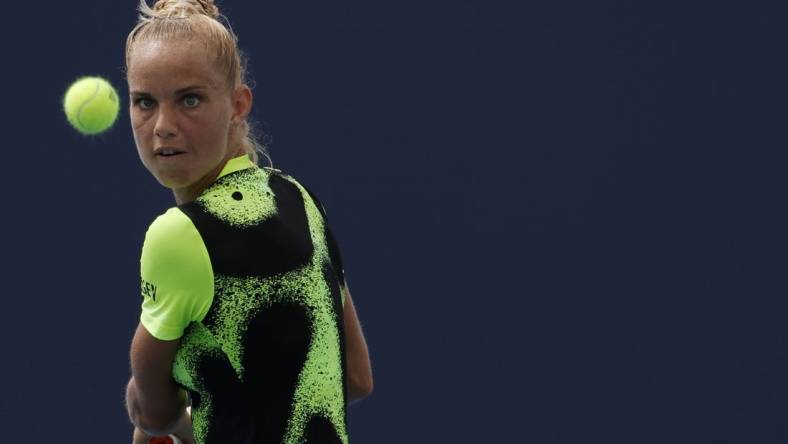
177,278
177,289
151,367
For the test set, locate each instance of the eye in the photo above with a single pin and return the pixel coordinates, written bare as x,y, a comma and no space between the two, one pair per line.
191,101
144,103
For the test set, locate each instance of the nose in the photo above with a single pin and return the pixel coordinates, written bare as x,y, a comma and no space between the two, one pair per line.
166,125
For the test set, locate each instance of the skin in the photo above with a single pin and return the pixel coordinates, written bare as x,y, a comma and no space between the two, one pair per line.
178,100
201,123
359,368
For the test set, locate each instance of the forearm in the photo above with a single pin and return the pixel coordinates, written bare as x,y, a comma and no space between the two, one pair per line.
359,369
142,419
132,402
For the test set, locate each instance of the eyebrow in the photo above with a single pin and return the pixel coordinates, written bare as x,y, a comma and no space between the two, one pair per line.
180,91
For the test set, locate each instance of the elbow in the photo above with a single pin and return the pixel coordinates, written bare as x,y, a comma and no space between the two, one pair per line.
360,387
365,387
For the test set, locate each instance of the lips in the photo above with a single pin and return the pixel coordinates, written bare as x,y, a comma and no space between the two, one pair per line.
166,151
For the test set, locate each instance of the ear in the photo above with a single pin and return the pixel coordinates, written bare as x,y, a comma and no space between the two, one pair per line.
242,103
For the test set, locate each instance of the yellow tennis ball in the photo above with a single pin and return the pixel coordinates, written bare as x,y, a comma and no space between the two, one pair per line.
91,105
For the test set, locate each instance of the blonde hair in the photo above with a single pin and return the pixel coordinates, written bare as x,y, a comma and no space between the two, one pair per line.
190,19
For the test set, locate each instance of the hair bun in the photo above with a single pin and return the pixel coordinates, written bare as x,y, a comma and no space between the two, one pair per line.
182,8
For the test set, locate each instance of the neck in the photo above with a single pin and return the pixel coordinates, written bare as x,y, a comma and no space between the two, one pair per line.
188,194
193,191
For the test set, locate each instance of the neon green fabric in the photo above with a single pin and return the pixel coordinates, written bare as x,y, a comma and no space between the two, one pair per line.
177,279
236,164
248,275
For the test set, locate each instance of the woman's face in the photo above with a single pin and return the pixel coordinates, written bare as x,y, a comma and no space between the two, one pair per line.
181,113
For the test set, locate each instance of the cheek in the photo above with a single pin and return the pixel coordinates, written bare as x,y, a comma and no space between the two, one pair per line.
137,121
140,134
216,129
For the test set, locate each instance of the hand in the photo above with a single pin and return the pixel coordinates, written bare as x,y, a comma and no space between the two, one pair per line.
139,437
183,430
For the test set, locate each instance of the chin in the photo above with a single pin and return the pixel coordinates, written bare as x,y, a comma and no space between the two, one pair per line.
171,181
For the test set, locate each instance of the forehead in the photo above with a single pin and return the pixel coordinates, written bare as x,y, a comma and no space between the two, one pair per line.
158,66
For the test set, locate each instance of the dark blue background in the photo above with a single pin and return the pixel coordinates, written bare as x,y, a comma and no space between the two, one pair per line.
562,222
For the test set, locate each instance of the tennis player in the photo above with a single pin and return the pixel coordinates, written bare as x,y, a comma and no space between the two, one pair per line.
246,314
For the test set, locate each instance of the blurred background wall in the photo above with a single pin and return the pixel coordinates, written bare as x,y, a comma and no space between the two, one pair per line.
562,221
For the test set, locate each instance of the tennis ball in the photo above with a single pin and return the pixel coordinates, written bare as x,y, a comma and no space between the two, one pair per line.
91,105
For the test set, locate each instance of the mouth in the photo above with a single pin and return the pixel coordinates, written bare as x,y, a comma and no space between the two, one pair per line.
167,152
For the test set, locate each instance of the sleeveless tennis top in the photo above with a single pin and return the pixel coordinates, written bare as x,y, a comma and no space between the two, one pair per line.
250,278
